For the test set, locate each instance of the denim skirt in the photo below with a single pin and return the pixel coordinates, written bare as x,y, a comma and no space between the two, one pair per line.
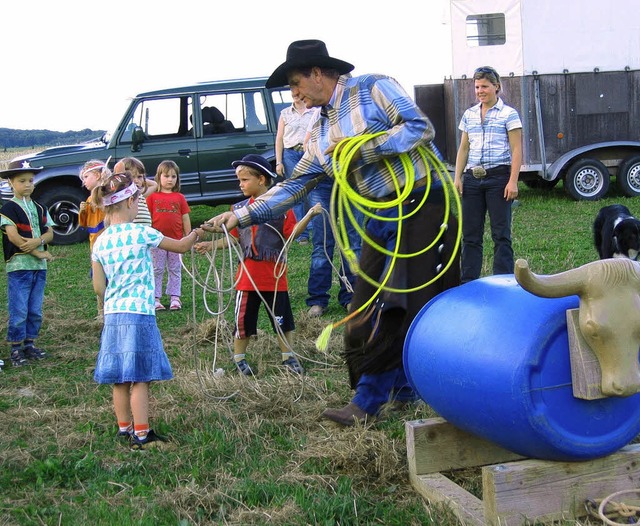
131,350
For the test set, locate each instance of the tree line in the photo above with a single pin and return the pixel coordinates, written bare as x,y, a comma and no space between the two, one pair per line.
12,138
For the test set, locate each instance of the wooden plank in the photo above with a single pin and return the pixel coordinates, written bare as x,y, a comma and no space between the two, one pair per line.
435,445
437,488
546,491
586,374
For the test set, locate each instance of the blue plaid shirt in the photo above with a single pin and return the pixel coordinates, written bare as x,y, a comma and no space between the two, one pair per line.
489,141
359,105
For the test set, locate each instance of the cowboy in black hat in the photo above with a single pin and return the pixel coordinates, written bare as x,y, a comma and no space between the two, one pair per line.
377,108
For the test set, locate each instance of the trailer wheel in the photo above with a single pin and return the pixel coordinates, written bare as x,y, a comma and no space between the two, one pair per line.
628,177
587,180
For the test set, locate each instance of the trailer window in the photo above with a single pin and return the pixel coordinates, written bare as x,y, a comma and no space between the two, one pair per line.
486,30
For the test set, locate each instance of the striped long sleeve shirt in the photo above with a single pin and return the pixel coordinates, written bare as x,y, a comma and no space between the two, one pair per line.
361,105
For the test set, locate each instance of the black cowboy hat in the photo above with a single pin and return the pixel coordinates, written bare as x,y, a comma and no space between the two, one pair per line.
306,54
259,163
16,167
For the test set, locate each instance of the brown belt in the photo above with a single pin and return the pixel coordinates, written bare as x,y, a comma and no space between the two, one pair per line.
297,148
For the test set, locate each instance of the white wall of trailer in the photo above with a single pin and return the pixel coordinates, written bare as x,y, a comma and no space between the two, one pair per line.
546,36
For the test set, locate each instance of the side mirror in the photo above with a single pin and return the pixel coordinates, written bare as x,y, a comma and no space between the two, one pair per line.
137,138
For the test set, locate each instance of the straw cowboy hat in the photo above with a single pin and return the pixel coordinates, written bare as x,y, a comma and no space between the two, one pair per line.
306,54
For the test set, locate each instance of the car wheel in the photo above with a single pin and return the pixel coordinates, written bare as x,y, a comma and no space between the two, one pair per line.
587,180
628,177
63,204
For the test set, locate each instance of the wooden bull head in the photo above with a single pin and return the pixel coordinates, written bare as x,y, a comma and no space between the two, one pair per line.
609,314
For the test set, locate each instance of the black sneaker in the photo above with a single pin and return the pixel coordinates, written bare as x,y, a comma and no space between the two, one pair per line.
33,353
125,435
17,358
293,365
150,441
244,367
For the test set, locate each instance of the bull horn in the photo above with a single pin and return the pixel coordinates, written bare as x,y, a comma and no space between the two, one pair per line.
552,286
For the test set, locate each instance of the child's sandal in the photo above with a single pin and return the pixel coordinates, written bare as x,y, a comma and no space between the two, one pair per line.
175,304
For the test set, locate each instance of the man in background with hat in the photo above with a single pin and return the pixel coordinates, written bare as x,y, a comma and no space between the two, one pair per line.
27,229
351,107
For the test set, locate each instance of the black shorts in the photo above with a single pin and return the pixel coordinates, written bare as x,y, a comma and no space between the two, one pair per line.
247,308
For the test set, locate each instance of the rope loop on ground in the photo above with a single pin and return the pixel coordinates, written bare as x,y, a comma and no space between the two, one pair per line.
608,509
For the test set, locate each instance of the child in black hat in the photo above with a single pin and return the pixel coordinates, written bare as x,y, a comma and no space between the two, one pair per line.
27,229
261,276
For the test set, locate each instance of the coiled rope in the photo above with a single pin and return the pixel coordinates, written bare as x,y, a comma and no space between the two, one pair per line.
344,196
219,282
598,508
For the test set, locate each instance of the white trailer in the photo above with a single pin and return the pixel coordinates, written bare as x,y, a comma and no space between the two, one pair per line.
572,70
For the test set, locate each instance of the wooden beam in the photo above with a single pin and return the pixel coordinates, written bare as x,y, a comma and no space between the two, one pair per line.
435,445
547,491
437,488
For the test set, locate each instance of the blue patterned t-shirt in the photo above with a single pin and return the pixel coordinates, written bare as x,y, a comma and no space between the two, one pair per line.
124,251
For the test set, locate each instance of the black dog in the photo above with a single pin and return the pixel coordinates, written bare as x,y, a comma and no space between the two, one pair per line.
616,233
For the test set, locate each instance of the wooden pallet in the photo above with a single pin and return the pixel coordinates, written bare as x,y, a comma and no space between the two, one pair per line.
514,489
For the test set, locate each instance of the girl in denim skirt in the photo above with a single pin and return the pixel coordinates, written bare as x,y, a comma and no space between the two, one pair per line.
131,351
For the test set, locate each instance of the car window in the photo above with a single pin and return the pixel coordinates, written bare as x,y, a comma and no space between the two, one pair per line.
281,99
165,118
233,112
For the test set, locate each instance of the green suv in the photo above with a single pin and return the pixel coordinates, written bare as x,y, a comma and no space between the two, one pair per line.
203,128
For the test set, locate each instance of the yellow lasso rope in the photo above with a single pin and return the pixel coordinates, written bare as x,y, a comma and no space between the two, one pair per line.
343,197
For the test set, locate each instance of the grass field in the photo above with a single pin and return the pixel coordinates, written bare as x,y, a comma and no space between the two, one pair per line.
242,451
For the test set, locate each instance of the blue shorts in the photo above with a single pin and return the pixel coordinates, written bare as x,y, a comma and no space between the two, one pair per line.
131,350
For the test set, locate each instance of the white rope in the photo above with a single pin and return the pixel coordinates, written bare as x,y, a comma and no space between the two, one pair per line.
214,283
617,509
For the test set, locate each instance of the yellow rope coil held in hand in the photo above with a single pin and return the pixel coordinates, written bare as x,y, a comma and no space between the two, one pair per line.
343,197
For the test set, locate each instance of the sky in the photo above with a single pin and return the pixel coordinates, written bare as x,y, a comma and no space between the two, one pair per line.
73,64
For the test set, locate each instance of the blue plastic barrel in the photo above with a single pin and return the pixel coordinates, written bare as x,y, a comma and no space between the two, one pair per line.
493,360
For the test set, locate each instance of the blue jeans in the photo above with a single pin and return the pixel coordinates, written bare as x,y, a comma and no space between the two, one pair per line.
290,158
321,271
25,291
480,196
373,390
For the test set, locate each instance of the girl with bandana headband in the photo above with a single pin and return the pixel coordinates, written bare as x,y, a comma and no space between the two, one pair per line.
131,352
